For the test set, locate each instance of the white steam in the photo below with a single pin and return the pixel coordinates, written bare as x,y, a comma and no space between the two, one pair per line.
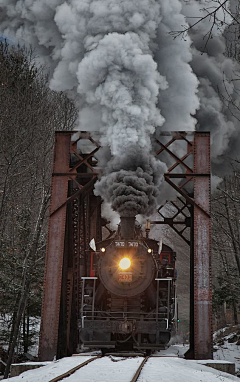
180,101
119,78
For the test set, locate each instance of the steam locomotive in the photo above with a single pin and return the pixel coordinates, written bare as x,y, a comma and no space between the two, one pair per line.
129,295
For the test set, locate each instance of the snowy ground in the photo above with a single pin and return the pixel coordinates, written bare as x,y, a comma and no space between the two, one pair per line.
168,368
230,353
227,346
117,369
50,371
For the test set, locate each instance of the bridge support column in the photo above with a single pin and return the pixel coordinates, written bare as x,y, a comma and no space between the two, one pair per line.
202,249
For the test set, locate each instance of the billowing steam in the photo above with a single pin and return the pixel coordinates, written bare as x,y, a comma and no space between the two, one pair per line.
118,79
218,75
128,75
179,102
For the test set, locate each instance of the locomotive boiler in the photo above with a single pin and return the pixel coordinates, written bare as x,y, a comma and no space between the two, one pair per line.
129,294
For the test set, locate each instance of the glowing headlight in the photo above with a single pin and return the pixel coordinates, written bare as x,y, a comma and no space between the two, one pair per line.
102,249
149,250
125,263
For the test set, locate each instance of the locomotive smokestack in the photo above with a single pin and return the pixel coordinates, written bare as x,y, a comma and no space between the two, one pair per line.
127,227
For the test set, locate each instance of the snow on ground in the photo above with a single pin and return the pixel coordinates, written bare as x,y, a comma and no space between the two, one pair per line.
230,353
224,351
122,369
169,369
117,369
54,369
227,347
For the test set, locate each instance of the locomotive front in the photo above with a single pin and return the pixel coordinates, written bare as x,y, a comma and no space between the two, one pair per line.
126,267
128,301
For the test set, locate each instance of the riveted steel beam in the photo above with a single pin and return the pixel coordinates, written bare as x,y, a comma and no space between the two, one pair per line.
202,250
69,232
54,256
198,201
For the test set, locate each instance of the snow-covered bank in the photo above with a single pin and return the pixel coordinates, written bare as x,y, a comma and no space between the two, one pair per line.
227,346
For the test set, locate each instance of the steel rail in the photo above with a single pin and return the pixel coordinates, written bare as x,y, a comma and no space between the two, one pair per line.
71,371
136,375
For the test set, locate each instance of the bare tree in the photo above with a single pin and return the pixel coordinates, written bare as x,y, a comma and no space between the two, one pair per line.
30,112
219,15
226,241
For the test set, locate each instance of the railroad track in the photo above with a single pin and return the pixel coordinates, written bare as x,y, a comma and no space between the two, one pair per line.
136,375
72,371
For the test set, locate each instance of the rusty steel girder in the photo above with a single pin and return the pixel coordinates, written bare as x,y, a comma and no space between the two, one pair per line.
191,221
202,249
54,255
74,217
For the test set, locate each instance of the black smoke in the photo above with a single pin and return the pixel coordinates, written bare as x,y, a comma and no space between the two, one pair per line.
132,183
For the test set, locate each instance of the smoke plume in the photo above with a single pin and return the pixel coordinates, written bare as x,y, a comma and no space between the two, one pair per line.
218,89
179,102
132,183
128,75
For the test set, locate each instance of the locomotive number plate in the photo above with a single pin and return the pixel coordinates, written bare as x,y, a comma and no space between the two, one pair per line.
133,244
125,277
120,244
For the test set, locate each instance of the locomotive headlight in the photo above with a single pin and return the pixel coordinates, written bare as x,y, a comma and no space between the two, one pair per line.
149,250
102,249
125,263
